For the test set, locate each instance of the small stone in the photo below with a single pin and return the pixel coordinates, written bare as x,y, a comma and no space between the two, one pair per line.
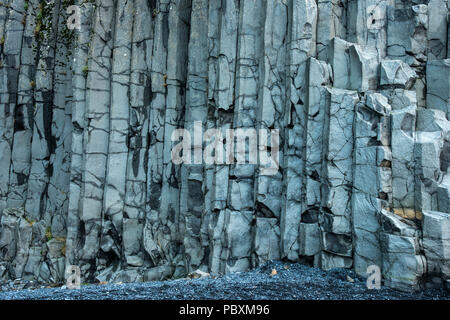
198,274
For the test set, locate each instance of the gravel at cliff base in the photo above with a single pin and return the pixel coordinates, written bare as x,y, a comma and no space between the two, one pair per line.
290,282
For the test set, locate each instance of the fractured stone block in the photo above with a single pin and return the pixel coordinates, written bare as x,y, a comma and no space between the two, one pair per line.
339,59
436,243
331,23
438,85
338,158
407,33
403,136
397,73
267,238
367,23
363,68
403,265
337,244
238,241
328,261
437,29
309,239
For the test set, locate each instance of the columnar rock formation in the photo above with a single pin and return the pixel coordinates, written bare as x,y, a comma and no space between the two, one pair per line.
358,89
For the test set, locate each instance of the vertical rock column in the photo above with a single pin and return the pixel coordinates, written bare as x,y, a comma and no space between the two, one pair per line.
367,23
175,104
437,26
192,206
301,44
33,82
138,138
448,32
241,188
213,42
436,244
371,162
6,113
438,85
403,135
271,116
319,77
331,22
138,99
403,262
79,122
396,79
432,146
224,99
407,41
337,171
60,130
19,166
155,234
96,146
43,142
432,191
116,170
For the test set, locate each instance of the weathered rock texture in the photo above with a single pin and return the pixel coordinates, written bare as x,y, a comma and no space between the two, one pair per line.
359,89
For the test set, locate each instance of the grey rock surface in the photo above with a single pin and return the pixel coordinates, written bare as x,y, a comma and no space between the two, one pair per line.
359,91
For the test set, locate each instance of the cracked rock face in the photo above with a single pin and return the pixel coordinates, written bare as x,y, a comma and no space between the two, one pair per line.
359,92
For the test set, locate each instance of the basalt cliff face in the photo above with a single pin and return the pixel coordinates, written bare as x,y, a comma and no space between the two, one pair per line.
358,89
